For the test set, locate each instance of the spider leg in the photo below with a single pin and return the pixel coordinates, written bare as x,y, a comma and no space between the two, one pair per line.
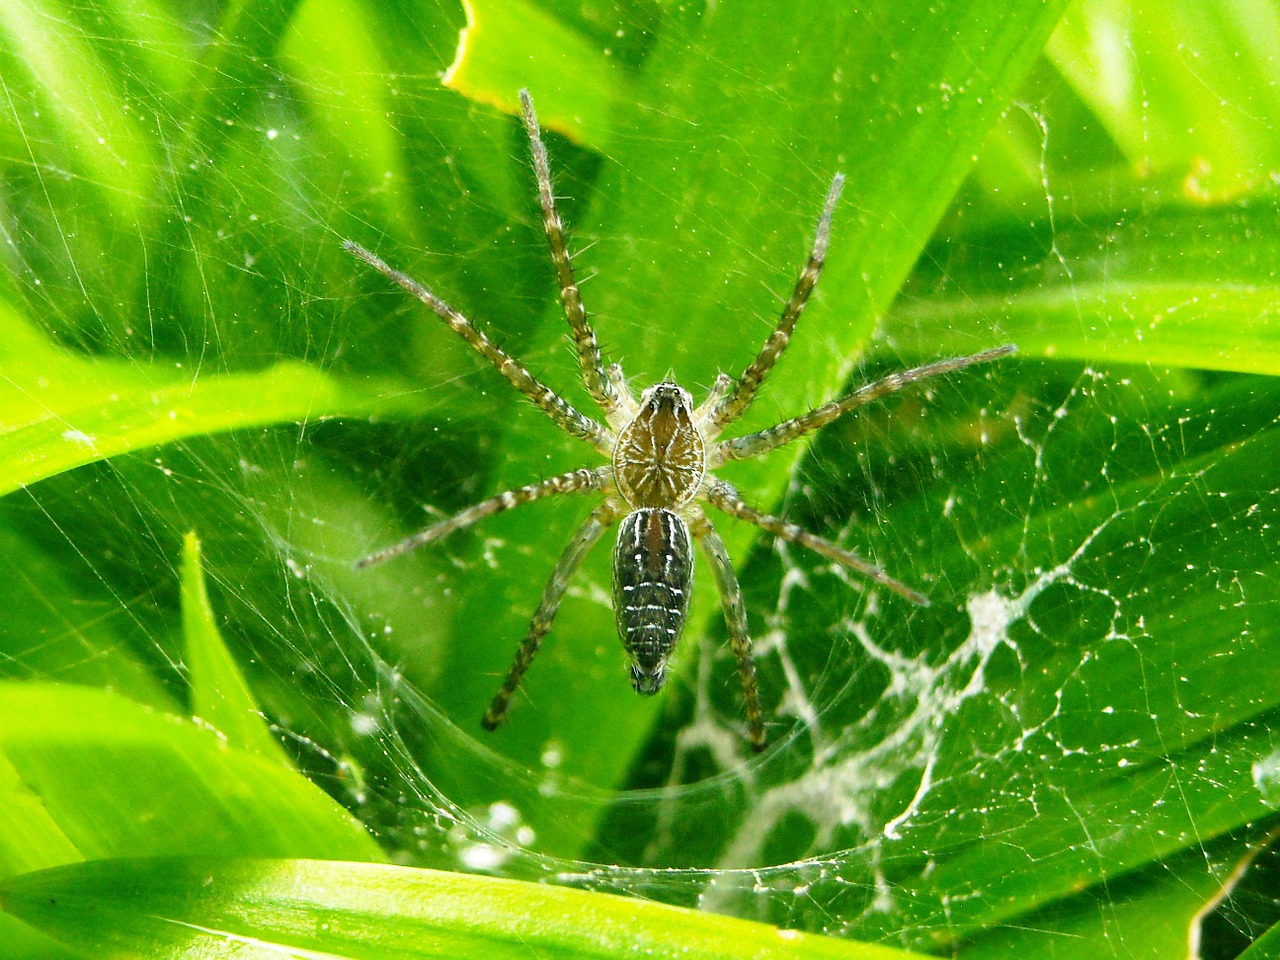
587,536
723,496
735,616
627,407
706,412
601,388
569,418
577,481
735,404
755,444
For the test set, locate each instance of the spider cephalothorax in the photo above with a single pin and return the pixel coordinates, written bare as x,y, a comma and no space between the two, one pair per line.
660,456
660,451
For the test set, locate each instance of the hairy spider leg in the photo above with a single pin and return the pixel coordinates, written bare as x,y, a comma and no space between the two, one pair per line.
575,481
587,536
602,390
756,444
734,404
735,617
724,497
567,417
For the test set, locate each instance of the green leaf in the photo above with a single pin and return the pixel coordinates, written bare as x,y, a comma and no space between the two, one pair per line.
221,907
219,695
32,839
59,411
62,625
1266,947
1171,286
23,943
118,780
1153,913
1179,85
581,91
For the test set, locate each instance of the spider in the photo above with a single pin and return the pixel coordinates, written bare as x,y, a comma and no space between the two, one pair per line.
660,449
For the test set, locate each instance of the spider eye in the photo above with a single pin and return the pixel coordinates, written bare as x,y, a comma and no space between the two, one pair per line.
667,397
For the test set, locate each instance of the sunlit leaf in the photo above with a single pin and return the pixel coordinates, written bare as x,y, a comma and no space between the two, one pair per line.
59,411
1174,82
219,695
1173,286
515,44
221,908
118,780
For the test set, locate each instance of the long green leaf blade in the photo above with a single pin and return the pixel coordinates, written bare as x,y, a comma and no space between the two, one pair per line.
233,908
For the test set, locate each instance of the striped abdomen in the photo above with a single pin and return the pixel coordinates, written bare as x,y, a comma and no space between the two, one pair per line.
652,579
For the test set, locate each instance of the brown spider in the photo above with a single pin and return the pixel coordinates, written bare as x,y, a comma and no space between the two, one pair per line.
661,449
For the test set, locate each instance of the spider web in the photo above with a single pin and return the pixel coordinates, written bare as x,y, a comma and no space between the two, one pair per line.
1092,672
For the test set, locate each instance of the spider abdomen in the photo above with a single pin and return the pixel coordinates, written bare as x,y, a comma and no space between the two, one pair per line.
652,579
